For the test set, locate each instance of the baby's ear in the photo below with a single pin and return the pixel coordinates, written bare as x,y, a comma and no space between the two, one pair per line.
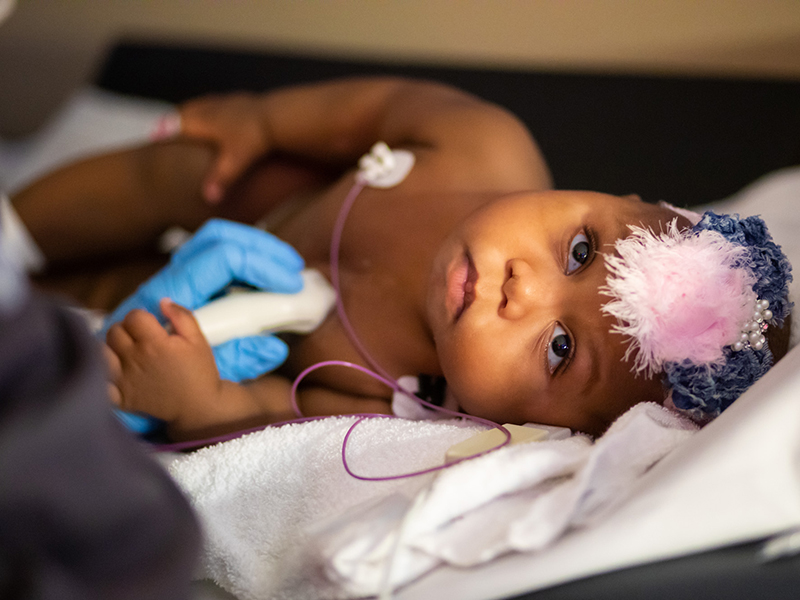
779,339
633,197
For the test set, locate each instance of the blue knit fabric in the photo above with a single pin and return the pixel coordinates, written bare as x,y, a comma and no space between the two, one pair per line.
707,390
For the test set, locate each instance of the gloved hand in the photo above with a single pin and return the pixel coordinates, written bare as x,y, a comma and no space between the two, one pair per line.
221,253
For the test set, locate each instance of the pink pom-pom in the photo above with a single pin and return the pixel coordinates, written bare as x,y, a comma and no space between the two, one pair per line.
678,295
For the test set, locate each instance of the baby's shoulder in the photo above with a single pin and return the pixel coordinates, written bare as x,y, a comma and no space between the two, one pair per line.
490,161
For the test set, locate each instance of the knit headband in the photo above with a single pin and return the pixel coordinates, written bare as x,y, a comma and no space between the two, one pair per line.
696,304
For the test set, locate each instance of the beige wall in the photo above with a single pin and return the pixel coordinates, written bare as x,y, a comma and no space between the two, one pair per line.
49,45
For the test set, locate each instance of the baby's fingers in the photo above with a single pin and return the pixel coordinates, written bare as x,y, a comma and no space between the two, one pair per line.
142,326
113,363
137,327
114,395
182,320
114,374
230,165
118,339
227,169
234,123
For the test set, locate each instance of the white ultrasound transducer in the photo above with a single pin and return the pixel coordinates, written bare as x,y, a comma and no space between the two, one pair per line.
244,312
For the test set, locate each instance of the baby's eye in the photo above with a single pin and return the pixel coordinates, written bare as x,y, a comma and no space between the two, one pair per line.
580,251
559,348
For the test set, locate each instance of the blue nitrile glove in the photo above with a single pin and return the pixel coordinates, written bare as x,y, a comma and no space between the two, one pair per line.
219,254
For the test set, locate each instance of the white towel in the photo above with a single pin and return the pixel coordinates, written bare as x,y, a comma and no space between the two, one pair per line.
257,496
282,518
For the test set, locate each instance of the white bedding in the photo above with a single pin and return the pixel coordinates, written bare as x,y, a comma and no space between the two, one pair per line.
282,518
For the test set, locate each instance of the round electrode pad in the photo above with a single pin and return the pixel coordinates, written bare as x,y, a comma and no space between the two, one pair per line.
384,167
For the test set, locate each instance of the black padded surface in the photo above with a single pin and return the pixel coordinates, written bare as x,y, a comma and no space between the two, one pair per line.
733,573
684,140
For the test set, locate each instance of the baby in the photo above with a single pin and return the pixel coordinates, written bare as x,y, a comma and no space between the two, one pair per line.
471,268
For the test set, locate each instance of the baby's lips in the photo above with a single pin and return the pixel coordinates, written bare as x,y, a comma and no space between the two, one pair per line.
169,125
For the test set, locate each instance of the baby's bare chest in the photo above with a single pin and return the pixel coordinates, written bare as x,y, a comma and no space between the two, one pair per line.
375,327
387,247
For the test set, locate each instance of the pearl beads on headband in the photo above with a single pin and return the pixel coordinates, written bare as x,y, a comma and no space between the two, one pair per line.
752,335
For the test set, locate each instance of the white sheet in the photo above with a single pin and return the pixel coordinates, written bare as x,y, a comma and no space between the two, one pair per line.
90,122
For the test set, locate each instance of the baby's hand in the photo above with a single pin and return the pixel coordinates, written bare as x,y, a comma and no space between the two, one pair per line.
233,122
166,375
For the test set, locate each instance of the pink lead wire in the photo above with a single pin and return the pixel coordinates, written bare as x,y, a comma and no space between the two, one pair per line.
336,239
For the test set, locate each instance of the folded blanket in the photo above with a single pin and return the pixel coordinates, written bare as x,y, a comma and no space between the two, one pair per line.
282,518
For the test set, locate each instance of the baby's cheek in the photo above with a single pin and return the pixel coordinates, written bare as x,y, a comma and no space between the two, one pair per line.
476,383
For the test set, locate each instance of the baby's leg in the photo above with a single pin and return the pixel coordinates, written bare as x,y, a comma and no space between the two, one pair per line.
101,285
98,222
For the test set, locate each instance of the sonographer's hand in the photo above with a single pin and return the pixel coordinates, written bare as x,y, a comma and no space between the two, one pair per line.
235,123
219,254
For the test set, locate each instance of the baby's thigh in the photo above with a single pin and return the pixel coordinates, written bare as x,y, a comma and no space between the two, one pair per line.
101,286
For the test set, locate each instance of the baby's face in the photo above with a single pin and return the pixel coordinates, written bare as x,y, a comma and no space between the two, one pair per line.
514,306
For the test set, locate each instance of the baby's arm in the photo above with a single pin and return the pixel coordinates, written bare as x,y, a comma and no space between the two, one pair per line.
172,376
116,202
338,121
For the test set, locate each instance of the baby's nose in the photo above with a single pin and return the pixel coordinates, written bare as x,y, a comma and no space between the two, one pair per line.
523,290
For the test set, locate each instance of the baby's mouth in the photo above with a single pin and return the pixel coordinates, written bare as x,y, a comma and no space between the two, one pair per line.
469,284
462,285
